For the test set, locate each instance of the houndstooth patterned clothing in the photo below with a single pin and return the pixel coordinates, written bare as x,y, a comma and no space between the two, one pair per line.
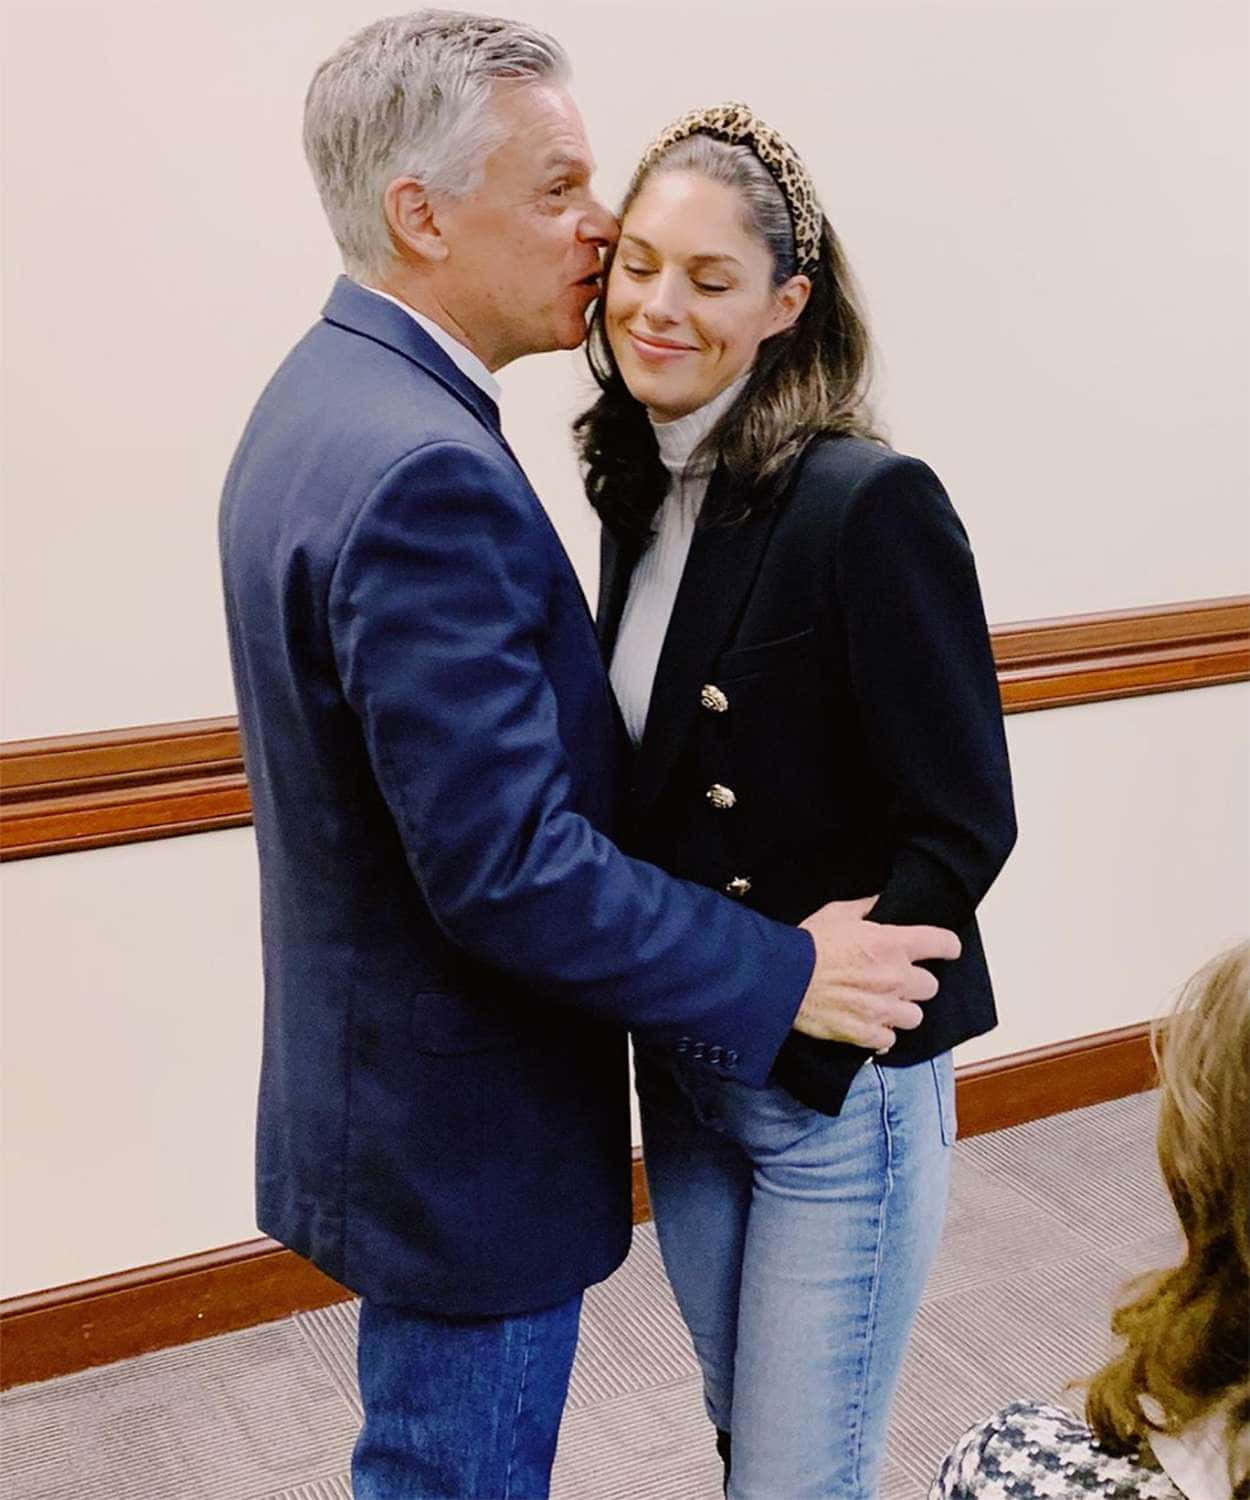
1030,1451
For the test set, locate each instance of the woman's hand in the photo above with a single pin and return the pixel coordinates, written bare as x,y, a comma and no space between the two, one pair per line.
867,984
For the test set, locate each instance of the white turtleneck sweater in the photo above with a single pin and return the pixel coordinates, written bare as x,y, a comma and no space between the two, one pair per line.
653,587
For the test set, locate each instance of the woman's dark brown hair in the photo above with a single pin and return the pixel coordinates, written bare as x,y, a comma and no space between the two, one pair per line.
1186,1331
810,379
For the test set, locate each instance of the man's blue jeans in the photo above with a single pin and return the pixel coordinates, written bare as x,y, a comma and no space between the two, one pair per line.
461,1409
798,1245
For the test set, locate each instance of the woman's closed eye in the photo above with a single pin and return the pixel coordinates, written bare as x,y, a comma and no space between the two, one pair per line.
641,273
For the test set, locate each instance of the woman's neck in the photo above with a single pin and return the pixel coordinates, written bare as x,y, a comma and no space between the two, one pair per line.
679,438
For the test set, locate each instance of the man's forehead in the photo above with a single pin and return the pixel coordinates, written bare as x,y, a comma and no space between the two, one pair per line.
546,122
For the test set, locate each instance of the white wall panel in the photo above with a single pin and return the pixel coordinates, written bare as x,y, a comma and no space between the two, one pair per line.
131,980
1133,865
131,1020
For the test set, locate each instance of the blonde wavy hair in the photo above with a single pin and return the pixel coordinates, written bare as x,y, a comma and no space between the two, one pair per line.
1186,1331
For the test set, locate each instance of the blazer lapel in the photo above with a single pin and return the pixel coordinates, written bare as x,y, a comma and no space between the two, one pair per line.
359,310
717,580
617,559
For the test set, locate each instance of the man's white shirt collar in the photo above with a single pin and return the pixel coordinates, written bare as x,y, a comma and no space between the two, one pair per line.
464,359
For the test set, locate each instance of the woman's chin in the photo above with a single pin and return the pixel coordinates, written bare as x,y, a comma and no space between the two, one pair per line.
653,391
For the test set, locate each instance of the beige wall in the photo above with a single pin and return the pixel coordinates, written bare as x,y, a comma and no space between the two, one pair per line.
1046,204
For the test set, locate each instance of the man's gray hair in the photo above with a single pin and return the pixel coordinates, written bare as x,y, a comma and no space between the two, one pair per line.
410,96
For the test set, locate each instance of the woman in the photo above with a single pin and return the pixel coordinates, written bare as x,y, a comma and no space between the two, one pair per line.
1169,1415
800,654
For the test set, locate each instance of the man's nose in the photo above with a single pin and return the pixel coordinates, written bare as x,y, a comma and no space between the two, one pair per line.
599,226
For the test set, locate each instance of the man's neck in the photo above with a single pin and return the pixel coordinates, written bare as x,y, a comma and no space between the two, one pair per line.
422,299
466,360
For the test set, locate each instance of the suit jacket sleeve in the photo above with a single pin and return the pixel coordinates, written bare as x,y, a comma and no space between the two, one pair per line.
438,612
923,678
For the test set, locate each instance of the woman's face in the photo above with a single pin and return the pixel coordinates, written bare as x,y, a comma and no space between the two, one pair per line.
690,295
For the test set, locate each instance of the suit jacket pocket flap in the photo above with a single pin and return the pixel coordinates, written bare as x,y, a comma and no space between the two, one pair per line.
450,1024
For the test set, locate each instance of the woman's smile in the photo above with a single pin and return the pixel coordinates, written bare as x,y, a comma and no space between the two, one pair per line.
657,351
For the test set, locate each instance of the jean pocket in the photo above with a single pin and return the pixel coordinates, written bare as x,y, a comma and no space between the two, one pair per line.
944,1083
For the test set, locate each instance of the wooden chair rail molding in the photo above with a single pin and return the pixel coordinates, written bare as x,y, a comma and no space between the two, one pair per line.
71,1328
1122,654
126,785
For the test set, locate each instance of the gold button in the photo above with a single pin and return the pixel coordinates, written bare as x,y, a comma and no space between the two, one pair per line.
720,796
710,696
738,886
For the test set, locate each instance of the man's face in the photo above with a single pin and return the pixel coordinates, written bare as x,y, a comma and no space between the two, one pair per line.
524,249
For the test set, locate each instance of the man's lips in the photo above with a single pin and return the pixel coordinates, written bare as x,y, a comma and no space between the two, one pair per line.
655,351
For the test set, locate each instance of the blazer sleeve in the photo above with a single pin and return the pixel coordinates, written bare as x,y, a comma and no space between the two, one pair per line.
923,679
438,611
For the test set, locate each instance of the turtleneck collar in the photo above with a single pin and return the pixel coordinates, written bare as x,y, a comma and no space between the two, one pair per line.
678,439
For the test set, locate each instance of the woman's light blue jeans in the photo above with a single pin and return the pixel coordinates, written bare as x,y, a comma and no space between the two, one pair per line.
798,1245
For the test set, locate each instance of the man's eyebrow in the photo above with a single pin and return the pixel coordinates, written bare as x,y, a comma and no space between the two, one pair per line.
695,260
570,162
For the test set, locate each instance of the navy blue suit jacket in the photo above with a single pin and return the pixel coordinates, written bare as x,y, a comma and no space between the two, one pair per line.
452,946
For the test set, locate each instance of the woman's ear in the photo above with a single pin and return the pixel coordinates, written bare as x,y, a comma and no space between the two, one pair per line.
789,301
411,220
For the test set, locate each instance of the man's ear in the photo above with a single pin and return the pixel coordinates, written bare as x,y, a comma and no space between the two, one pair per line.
790,301
412,222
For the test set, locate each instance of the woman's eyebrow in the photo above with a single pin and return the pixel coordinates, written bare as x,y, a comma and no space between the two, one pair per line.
722,257
694,260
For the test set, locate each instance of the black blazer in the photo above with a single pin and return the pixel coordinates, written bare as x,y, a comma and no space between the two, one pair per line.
827,673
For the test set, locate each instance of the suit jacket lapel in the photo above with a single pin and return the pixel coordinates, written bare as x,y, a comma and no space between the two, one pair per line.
359,310
717,580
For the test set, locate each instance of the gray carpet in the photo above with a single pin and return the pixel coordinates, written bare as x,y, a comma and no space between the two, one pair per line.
1046,1222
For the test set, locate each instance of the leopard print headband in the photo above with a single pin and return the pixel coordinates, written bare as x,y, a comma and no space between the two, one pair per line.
736,124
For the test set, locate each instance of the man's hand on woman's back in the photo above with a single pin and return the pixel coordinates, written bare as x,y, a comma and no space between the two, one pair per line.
867,984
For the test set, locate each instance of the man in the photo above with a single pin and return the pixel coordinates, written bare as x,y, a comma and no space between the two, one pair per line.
452,947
